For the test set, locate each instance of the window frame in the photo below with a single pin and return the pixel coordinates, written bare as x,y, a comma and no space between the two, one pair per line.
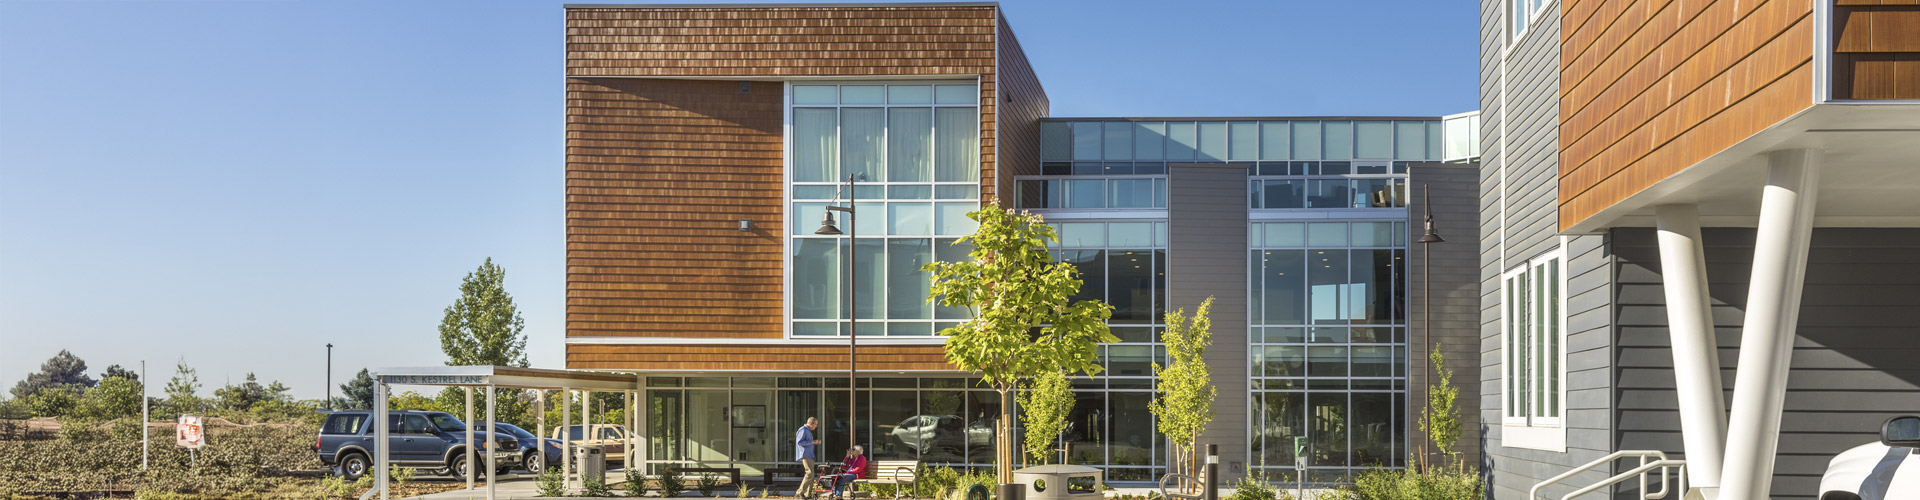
1535,10
1523,287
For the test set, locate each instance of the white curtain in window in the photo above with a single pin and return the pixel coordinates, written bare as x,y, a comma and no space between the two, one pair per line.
909,144
956,145
862,132
813,144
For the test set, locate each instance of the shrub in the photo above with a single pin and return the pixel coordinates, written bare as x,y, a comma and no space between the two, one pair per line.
636,484
1409,484
551,483
744,489
706,484
1255,488
592,485
403,475
937,481
671,484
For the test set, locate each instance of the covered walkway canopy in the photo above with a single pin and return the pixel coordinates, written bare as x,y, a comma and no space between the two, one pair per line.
504,377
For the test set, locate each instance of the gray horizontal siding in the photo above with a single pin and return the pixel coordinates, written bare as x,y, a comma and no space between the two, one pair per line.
1852,364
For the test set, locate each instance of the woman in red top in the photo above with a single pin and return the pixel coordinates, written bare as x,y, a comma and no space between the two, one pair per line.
856,468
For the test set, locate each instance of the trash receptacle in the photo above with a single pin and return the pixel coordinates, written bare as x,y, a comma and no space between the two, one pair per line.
592,461
1059,482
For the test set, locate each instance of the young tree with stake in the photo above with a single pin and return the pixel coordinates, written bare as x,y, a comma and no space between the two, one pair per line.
1024,320
1183,405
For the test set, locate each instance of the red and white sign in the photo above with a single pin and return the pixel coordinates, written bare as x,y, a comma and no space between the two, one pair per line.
190,433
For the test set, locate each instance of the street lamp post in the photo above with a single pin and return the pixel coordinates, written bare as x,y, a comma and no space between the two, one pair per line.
1426,309
827,228
329,376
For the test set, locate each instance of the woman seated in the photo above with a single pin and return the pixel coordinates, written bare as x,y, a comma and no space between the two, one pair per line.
856,468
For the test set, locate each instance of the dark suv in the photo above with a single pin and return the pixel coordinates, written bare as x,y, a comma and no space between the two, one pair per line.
426,439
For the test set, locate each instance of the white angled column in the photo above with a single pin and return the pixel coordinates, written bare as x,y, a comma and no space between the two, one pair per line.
1773,309
1696,358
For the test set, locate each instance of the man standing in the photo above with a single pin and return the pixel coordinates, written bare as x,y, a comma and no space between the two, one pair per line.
803,444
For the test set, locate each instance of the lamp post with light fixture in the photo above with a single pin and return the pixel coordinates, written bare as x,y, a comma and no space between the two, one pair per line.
1426,310
827,228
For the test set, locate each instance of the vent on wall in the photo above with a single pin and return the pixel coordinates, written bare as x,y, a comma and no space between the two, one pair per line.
746,87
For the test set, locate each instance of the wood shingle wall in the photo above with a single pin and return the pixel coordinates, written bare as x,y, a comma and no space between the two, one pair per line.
1650,87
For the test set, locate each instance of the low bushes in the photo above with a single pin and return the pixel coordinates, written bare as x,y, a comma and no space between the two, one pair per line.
87,457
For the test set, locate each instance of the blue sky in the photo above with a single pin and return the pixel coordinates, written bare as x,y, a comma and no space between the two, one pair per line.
241,182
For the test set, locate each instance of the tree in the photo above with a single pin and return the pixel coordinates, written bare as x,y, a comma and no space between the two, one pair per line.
63,370
115,397
357,394
1441,419
53,401
1013,287
483,326
1043,413
116,371
1183,405
241,397
183,390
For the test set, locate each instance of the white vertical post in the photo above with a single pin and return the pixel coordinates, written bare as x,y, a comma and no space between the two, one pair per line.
1696,355
586,430
566,441
471,444
143,414
540,430
380,438
633,400
1773,310
492,433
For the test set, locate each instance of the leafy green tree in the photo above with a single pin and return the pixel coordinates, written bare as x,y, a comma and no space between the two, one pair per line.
1441,419
242,396
1043,414
1183,405
53,401
1024,322
183,390
410,400
116,371
63,370
484,327
115,397
357,394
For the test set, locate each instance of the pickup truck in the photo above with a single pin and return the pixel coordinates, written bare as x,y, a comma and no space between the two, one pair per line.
612,438
425,439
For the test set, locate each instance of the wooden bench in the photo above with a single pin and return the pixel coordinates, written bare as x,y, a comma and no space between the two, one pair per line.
733,473
767,474
898,473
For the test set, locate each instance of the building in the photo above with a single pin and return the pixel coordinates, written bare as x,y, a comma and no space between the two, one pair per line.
703,142
1657,274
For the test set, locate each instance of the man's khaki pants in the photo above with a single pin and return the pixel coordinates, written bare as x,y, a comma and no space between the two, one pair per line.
806,482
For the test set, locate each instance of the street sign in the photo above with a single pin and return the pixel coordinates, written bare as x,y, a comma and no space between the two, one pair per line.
189,433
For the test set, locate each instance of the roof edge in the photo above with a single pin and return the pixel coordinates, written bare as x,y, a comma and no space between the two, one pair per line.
572,6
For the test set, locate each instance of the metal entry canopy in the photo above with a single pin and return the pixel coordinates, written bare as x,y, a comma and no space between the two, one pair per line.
490,378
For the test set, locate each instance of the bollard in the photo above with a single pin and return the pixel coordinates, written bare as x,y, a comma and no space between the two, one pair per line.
1211,474
1012,492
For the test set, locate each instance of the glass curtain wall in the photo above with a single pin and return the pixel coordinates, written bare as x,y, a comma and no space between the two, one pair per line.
1125,264
1329,346
749,422
914,151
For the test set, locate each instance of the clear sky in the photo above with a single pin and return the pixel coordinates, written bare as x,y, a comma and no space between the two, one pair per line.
241,182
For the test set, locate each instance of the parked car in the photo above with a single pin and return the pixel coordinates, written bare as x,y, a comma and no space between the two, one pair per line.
612,438
426,439
529,445
937,432
1885,470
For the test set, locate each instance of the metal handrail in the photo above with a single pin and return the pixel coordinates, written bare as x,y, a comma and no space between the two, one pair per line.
1166,494
1643,455
1640,471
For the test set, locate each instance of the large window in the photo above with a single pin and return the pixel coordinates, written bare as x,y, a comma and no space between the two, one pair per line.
1534,341
914,152
1328,346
